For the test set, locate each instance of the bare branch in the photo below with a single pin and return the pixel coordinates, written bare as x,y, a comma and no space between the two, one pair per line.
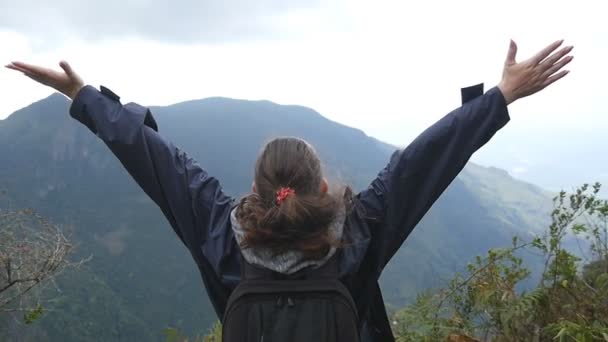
33,252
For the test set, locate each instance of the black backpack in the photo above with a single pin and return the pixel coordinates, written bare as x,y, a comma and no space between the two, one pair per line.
311,305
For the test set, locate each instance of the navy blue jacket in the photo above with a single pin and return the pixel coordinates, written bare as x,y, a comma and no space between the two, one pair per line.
383,215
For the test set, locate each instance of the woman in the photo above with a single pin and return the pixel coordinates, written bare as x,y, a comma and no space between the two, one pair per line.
290,221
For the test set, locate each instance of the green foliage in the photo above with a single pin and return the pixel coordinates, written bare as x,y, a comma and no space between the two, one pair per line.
173,335
566,331
569,304
596,273
32,315
214,335
412,323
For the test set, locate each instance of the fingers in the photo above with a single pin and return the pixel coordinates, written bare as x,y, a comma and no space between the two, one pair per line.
557,66
512,53
12,66
24,66
41,75
536,59
68,69
26,72
548,63
554,78
28,69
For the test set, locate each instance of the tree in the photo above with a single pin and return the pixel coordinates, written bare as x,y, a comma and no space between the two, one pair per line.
569,304
33,252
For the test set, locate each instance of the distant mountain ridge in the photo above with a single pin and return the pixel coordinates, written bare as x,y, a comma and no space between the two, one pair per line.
141,279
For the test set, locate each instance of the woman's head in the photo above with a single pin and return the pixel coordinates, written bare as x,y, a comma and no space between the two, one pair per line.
288,162
301,218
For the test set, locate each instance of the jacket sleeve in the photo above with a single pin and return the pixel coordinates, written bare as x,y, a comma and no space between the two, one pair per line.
191,200
417,175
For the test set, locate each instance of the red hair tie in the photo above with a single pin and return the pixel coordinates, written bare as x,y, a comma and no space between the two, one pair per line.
283,193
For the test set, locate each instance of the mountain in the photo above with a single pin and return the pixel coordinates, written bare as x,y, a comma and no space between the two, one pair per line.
556,159
141,279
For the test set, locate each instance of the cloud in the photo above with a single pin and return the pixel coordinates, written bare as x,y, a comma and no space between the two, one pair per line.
518,170
183,21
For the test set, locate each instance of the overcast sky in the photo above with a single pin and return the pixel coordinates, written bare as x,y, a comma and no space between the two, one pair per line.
390,68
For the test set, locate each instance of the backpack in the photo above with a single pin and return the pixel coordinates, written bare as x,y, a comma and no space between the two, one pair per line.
311,305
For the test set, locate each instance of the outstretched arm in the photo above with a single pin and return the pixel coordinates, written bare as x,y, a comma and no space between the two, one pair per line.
191,200
416,176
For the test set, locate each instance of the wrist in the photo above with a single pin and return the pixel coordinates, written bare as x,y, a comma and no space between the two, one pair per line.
507,93
72,93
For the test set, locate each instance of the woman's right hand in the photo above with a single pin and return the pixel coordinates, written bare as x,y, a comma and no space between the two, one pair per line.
66,82
521,79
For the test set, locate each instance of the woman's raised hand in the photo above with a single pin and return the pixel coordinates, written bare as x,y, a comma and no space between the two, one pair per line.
535,73
66,81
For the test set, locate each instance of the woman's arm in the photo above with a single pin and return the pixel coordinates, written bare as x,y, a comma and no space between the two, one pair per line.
416,176
192,201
